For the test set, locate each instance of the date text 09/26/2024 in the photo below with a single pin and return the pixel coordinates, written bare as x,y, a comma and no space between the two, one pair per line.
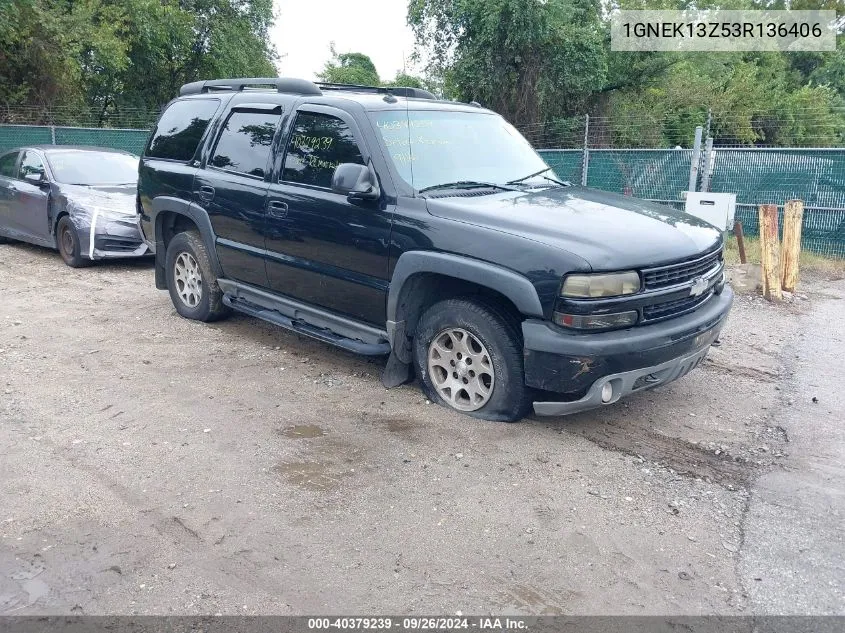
455,623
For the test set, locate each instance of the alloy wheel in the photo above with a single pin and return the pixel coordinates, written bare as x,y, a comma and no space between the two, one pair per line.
461,369
188,278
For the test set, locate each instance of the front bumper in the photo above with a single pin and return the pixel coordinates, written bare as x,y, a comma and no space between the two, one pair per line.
580,365
109,237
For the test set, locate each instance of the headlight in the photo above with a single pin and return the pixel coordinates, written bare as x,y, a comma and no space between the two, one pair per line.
602,285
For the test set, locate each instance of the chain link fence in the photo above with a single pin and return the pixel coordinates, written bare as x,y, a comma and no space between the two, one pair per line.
646,157
660,159
12,136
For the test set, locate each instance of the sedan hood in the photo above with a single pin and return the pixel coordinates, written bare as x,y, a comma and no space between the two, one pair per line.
609,231
112,200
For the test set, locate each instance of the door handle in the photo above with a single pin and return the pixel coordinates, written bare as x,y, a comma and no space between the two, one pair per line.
206,193
277,209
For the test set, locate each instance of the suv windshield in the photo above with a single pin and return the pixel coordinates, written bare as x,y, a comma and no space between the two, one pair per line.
431,148
75,167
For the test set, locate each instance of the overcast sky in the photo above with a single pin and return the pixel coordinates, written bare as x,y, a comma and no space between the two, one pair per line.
305,28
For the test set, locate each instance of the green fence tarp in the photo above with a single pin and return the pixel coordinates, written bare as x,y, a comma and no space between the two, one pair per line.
756,175
12,136
126,140
19,135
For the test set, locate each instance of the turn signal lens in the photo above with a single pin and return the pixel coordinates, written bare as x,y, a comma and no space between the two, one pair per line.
603,285
596,321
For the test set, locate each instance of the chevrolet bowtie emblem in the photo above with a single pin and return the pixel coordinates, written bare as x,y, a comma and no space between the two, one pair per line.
699,287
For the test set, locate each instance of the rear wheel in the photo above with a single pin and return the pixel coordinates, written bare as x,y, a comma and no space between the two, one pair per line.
468,355
192,284
67,241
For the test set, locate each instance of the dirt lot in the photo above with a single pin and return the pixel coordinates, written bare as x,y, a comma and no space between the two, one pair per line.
151,464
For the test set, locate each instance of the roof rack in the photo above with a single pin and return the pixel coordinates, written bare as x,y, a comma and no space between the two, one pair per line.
296,86
399,91
281,84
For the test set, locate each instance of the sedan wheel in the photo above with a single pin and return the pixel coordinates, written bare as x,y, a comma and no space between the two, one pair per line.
67,241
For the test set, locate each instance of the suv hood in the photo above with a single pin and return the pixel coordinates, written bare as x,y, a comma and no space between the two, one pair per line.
609,231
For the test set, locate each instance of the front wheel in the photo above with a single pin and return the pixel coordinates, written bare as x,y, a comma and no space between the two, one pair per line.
192,284
67,241
468,356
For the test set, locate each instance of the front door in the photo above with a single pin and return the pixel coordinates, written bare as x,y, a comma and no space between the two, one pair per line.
31,207
232,188
323,248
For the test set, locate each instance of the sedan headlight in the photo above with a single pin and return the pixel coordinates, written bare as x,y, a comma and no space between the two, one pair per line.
601,285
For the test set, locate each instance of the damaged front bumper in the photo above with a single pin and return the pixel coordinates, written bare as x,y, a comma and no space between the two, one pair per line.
106,223
582,365
105,235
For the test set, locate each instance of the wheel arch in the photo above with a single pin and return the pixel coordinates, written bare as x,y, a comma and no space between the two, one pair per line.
170,216
421,278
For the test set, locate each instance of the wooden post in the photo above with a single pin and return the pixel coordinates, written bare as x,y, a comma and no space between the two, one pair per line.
793,214
770,251
740,242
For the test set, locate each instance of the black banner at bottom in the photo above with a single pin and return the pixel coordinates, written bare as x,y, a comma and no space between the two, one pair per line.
432,624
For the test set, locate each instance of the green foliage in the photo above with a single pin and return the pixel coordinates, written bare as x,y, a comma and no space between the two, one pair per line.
526,59
113,55
547,61
350,68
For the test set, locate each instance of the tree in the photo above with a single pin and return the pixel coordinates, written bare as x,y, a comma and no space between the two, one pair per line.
528,60
350,68
111,56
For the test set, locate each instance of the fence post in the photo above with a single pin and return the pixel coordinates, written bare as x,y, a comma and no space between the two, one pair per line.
585,160
769,252
793,213
708,164
53,134
696,160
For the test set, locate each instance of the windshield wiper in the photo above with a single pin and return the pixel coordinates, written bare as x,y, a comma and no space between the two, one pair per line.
562,183
466,184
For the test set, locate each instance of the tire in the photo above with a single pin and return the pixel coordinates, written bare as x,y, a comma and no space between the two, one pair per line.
476,330
190,280
67,241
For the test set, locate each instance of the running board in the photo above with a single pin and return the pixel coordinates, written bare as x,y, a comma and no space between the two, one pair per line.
306,329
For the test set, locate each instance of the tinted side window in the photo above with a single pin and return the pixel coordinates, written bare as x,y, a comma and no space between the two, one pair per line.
318,144
244,143
31,164
7,164
180,129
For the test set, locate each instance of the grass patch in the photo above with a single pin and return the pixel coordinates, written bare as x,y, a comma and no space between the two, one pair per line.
828,267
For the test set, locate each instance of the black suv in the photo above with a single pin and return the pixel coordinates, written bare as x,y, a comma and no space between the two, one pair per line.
388,222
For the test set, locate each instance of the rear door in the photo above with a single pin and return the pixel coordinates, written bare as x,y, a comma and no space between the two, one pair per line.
323,248
232,187
30,210
8,190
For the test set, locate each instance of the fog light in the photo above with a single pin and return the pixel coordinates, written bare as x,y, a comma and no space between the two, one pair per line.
596,321
606,392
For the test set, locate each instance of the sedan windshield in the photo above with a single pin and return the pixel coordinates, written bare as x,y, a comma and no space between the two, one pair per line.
436,148
78,167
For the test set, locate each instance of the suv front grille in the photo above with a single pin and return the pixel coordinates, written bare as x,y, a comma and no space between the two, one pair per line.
675,274
673,308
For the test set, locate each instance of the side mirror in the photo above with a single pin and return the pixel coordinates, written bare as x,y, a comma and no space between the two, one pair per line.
36,178
355,181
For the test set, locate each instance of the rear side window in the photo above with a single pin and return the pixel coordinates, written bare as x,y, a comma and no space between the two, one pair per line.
244,143
318,144
7,164
180,129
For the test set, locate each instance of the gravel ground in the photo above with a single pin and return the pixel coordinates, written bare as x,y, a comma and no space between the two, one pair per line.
156,465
